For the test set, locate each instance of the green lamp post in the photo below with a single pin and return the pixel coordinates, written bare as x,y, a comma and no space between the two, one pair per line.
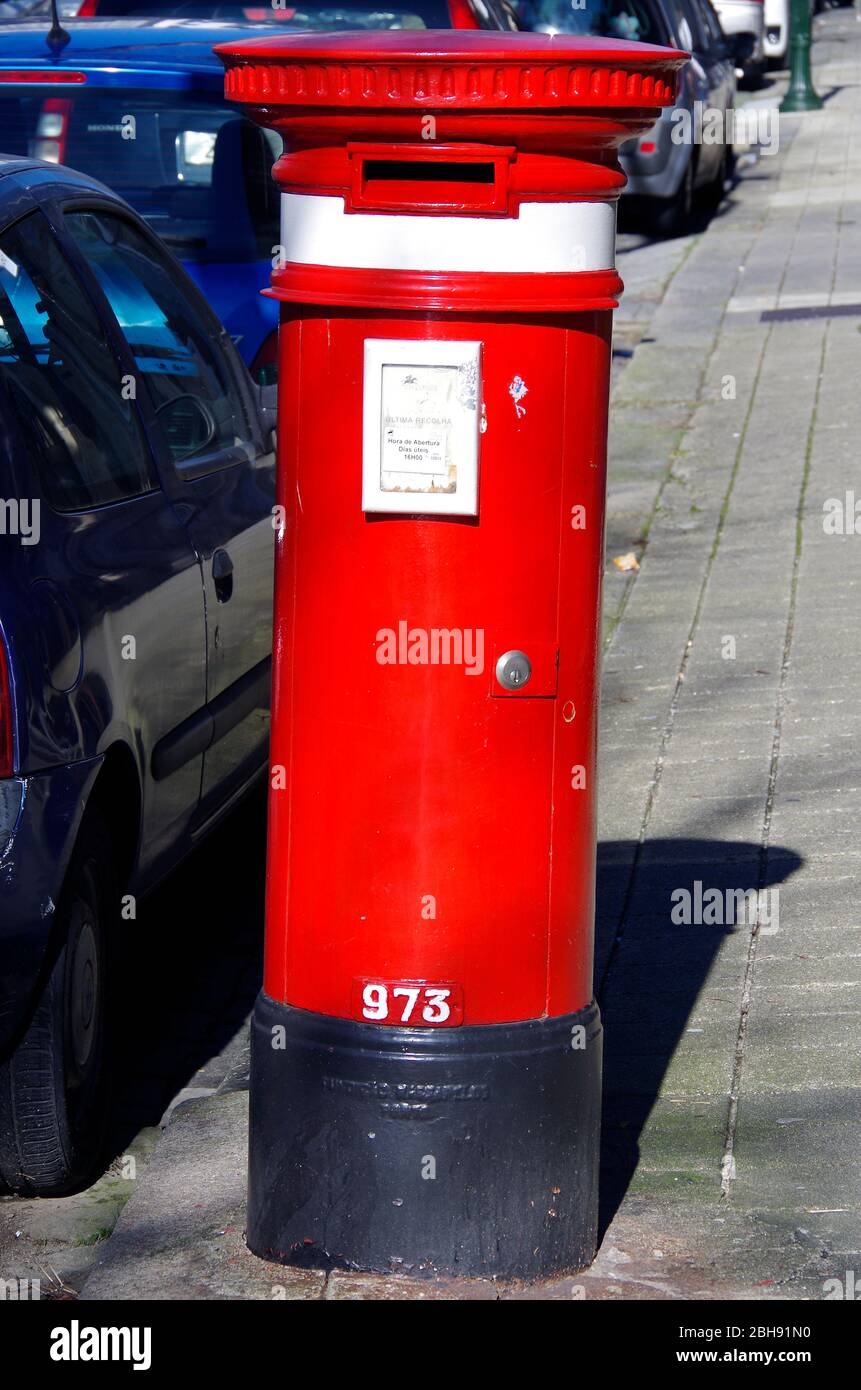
801,95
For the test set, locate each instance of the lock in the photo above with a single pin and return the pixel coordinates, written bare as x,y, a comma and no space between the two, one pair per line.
513,670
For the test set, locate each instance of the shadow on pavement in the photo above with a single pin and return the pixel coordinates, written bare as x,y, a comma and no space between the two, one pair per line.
191,970
194,966
654,970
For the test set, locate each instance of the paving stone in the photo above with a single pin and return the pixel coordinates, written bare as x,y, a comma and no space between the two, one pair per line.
181,1237
374,1288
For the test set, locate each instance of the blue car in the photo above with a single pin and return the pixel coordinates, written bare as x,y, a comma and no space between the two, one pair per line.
138,102
136,556
140,106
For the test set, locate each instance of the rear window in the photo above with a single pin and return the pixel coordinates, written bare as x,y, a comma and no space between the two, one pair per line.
617,19
178,159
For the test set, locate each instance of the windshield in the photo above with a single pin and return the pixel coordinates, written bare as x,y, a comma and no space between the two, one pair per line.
411,14
617,19
195,169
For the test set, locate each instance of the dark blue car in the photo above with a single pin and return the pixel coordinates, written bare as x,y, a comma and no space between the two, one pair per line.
136,552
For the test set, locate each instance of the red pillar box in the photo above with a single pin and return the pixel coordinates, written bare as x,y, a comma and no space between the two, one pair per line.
426,1067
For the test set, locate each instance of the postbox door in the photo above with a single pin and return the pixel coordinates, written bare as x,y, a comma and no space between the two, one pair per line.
431,852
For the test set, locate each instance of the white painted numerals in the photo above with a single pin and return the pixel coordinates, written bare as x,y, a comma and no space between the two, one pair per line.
408,1003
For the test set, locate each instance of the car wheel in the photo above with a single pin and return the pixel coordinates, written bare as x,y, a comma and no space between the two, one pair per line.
54,1085
754,75
669,217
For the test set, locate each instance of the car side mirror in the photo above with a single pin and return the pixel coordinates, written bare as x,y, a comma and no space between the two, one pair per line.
739,48
188,424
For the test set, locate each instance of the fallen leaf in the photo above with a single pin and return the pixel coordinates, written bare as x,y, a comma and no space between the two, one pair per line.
626,562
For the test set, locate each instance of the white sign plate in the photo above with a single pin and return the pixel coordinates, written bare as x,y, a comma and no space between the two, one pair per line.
421,427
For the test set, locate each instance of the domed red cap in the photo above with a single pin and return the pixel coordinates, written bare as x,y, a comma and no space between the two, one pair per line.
469,69
544,91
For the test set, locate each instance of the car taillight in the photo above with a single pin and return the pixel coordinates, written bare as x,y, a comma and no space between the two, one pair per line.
264,368
52,128
6,713
647,147
43,76
88,9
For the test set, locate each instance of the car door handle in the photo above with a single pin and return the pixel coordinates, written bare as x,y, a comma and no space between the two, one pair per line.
222,574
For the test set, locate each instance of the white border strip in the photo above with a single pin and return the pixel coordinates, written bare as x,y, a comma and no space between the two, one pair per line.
549,237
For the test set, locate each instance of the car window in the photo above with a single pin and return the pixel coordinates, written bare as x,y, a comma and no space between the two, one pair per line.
619,19
177,356
600,18
693,34
711,25
62,378
193,167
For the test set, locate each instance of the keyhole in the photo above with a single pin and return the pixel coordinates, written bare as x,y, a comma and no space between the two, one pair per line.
513,669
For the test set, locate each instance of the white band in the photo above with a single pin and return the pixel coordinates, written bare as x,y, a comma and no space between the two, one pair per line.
549,237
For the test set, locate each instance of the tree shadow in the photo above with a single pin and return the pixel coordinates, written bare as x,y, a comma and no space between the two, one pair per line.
651,969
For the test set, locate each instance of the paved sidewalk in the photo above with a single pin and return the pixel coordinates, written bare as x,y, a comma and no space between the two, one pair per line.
733,1077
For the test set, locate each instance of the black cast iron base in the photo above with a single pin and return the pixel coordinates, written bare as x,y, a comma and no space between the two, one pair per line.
468,1150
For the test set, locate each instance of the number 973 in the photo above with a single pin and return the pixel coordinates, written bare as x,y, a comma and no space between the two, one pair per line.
408,1003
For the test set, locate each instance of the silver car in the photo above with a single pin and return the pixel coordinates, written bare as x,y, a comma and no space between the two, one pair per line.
688,152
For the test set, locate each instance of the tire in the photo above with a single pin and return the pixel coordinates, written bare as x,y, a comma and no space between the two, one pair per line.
754,76
54,1086
670,217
